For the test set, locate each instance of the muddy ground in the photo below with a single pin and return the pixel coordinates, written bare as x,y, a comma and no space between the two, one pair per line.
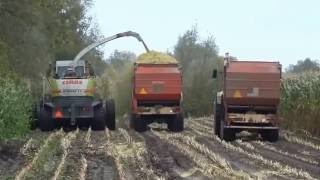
159,154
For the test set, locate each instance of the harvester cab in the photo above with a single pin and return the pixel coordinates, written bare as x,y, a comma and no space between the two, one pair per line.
70,100
69,94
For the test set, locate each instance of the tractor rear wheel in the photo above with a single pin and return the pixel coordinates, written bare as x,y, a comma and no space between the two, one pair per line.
98,121
110,114
46,123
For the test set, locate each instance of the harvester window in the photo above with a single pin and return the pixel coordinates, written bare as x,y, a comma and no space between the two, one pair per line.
64,72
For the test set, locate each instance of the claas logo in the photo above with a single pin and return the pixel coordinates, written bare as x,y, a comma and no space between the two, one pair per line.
71,81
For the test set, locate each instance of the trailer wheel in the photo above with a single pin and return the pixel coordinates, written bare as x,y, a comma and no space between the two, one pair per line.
226,134
271,135
177,124
217,119
139,124
131,120
98,121
110,114
46,123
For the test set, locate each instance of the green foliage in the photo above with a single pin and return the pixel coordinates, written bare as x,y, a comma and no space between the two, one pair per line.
115,82
15,107
32,35
35,33
198,59
300,102
303,66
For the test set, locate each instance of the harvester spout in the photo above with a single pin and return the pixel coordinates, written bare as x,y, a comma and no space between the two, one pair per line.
104,40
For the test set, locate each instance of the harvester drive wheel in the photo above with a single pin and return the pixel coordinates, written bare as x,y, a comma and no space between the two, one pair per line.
139,124
271,135
110,114
98,121
177,124
46,123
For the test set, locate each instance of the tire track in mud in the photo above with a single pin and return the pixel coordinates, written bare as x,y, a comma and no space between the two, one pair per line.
204,159
14,155
164,159
168,161
72,164
290,144
286,158
285,151
99,165
274,167
129,149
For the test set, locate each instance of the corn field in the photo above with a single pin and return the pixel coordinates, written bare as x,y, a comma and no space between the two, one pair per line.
195,153
300,102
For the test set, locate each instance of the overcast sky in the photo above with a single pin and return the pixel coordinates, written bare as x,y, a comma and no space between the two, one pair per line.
280,30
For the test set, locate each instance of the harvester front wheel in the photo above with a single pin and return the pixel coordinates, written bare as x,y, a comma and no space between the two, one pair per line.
98,121
46,122
110,114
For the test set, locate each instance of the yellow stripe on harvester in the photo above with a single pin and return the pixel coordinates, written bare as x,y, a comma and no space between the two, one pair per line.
237,94
143,91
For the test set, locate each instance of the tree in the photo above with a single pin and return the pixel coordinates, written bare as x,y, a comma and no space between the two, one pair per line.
198,59
35,33
304,66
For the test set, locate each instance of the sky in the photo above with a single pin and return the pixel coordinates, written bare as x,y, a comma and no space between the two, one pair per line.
272,30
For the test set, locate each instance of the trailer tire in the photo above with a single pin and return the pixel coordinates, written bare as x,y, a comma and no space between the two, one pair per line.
46,123
177,123
217,119
229,135
98,121
271,135
131,121
110,114
139,124
226,134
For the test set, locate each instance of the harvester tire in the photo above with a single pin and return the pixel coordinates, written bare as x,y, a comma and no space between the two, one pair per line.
139,124
177,124
271,135
98,121
46,123
110,114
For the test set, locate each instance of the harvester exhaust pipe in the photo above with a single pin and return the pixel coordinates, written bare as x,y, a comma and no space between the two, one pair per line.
104,40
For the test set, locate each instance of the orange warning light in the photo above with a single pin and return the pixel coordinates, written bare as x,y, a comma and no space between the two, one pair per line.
58,114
